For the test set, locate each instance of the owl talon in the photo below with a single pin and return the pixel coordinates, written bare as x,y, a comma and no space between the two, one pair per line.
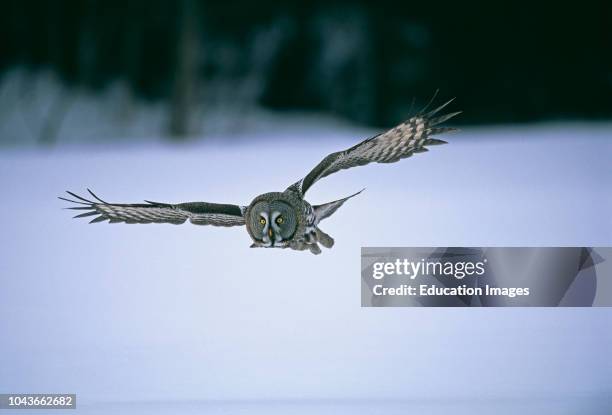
314,248
324,239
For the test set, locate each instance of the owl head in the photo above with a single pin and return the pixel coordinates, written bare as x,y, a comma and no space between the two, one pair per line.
271,221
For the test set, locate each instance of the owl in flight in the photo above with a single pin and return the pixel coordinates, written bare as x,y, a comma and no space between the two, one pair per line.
282,219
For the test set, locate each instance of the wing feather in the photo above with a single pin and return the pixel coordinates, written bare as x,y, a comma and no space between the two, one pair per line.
328,209
402,141
198,213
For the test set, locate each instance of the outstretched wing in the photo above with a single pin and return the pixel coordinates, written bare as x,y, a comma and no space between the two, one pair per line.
399,142
198,213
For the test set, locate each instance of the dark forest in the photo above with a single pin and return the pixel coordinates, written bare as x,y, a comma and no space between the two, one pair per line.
368,62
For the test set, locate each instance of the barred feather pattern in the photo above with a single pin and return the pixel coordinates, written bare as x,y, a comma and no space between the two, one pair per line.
402,141
312,235
198,213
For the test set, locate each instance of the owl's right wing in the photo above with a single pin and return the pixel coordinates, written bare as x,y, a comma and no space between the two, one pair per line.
198,213
402,141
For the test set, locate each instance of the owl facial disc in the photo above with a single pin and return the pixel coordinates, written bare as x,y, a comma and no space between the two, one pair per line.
272,223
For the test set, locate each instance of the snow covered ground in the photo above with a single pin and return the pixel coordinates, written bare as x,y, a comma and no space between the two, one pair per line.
193,319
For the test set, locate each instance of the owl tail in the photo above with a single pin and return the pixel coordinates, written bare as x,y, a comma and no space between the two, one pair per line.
326,210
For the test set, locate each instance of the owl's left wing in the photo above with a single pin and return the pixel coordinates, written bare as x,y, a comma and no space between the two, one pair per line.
402,141
198,213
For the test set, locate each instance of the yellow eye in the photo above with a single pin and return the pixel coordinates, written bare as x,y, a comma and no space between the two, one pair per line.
262,221
279,220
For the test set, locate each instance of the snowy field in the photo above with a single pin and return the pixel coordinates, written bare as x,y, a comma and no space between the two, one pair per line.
185,319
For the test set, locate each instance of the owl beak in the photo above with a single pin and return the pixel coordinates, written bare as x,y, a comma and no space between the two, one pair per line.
270,233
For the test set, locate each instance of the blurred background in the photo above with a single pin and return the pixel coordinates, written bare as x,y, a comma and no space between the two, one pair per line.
190,68
220,101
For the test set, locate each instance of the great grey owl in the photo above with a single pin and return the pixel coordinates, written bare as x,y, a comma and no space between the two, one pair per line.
282,219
